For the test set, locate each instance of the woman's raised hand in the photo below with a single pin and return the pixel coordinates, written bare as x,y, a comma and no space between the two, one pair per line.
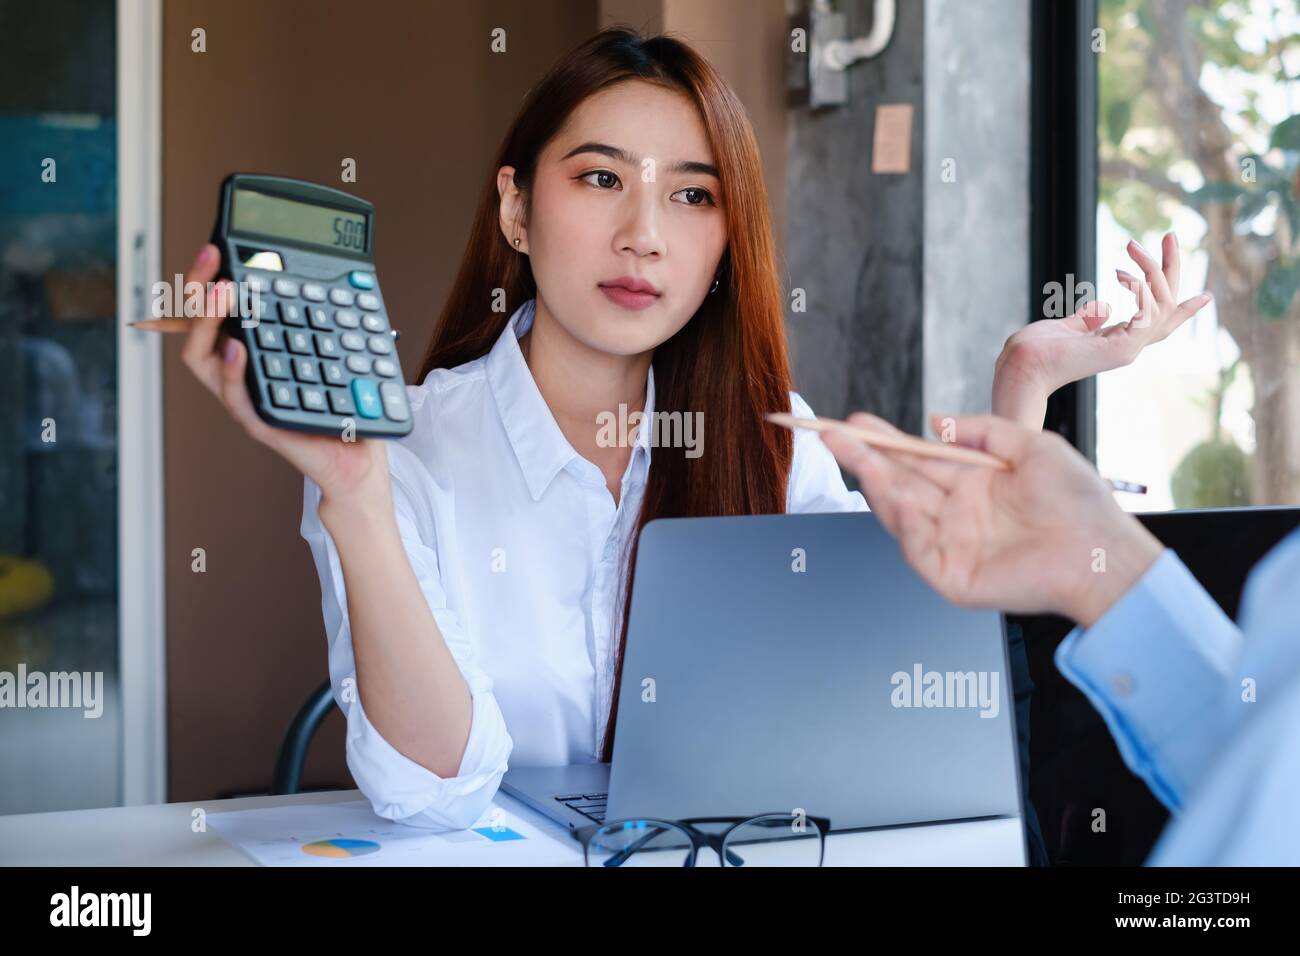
1049,353
343,468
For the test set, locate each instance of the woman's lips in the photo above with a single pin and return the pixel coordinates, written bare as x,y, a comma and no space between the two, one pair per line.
627,299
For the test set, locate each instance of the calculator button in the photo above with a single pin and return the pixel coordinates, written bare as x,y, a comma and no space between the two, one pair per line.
358,365
374,322
259,307
291,314
269,338
285,287
313,292
304,370
368,301
381,344
394,396
342,296
300,342
341,402
333,374
346,319
283,395
386,367
256,283
353,341
366,396
326,347
275,366
361,280
313,399
248,311
318,317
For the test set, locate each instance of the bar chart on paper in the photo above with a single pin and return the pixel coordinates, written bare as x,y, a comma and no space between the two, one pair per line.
350,834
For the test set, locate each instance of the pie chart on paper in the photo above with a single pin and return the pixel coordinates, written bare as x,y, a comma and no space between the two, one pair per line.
340,849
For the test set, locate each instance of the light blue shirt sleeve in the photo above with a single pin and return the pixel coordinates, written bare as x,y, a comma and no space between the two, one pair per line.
1204,713
1156,667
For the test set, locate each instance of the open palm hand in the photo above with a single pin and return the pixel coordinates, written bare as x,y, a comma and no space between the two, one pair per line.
1049,353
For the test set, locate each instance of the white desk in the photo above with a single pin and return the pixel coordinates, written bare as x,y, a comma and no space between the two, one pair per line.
161,835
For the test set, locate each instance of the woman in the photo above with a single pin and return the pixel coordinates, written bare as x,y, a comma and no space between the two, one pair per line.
474,574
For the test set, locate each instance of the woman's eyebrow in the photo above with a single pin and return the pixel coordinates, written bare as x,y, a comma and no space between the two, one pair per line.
623,156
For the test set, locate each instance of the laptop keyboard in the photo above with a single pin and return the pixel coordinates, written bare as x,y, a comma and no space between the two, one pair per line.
590,805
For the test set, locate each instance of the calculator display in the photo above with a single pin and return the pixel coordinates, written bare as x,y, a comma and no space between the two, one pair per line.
275,216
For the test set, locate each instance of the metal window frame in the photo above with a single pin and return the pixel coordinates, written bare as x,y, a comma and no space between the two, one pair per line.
141,501
1063,181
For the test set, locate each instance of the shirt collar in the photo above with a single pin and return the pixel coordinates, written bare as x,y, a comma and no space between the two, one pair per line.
538,443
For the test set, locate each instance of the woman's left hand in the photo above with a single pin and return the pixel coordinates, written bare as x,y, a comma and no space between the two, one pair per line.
1049,353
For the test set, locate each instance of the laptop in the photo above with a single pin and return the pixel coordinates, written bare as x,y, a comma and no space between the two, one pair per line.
776,662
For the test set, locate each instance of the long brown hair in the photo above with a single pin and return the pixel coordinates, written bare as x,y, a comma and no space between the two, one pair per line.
729,361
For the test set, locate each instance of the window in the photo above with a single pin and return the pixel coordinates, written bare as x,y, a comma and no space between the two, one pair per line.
1198,131
59,607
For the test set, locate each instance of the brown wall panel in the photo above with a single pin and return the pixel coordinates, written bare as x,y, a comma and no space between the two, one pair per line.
413,93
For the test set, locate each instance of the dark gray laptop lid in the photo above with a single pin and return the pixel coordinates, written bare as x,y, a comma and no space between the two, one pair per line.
772,663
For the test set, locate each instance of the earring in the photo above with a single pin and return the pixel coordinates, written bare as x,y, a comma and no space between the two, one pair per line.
716,280
516,242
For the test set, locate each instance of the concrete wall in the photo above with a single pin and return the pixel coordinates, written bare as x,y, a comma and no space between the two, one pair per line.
855,237
976,227
915,280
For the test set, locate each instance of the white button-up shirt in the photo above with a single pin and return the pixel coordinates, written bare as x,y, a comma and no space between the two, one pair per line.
521,554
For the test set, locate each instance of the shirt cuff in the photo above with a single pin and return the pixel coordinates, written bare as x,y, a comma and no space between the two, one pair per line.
408,792
1156,666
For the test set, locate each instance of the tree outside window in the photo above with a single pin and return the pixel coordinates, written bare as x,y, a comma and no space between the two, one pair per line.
1199,131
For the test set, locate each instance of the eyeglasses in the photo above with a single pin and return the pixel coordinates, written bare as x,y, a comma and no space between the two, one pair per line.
770,839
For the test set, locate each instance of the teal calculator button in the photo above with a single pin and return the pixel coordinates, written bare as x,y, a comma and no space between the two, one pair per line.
366,396
362,280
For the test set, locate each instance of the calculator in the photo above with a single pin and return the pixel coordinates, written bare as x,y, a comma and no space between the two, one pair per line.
322,356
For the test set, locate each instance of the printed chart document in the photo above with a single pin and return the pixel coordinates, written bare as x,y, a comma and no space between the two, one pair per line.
350,834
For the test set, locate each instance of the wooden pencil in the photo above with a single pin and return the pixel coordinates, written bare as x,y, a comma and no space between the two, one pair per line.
897,442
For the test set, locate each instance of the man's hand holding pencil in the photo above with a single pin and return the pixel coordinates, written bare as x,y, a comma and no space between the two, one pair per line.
1027,526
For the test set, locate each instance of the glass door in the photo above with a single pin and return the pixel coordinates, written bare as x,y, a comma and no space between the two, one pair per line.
66,385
